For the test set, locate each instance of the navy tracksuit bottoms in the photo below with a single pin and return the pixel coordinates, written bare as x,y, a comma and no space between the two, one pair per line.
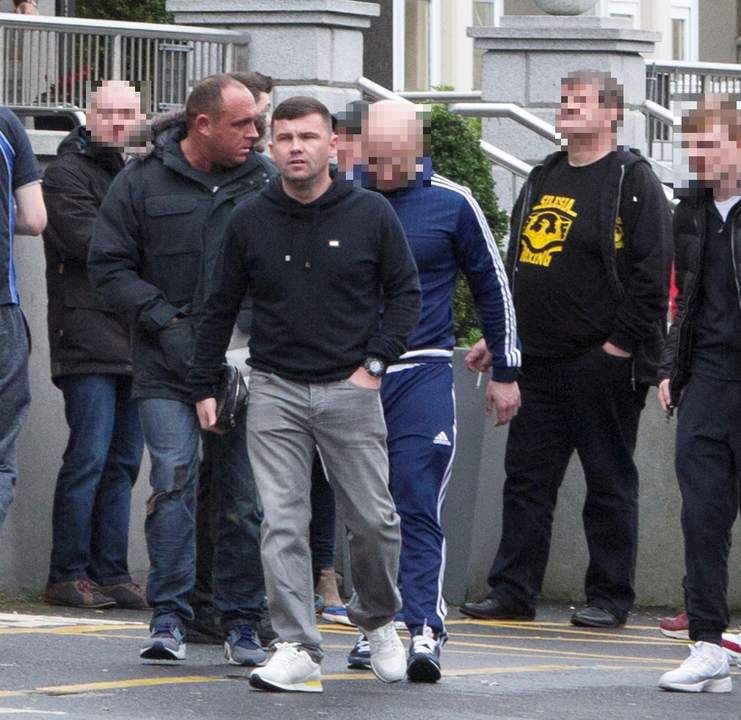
419,405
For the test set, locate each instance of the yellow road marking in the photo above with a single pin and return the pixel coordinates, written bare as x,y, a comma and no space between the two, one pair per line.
463,640
68,629
543,624
566,653
135,682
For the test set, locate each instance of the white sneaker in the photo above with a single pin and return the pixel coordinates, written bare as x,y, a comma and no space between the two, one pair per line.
291,669
732,646
705,670
387,656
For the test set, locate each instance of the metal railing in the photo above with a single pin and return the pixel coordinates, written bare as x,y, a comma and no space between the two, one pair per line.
667,81
48,61
514,112
494,154
507,110
443,96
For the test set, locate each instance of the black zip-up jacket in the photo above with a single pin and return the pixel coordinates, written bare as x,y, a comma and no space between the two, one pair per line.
318,274
153,257
690,218
85,335
638,276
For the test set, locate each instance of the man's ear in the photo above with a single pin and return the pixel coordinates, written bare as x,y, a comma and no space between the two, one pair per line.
333,146
202,124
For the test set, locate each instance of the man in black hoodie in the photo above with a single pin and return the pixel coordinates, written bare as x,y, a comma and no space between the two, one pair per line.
318,258
153,257
91,364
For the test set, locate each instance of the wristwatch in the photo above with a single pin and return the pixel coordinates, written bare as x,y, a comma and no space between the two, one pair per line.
375,367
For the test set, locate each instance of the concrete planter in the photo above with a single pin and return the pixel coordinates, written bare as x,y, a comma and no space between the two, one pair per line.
565,7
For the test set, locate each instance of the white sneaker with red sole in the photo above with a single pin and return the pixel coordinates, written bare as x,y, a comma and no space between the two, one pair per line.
732,645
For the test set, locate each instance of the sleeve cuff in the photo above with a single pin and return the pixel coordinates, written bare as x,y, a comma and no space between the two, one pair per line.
499,374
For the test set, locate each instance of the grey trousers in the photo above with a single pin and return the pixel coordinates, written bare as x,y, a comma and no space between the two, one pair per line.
15,397
286,421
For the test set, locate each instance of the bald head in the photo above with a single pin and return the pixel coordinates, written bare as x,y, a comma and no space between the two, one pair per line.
395,144
115,117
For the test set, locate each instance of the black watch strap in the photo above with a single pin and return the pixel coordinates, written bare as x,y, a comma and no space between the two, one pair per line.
375,366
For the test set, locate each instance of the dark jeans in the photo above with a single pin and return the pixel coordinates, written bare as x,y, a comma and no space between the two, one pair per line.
172,433
228,567
586,404
15,397
323,520
708,459
90,521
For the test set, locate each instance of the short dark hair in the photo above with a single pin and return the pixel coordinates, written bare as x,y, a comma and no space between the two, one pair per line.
301,106
610,92
255,82
207,97
351,119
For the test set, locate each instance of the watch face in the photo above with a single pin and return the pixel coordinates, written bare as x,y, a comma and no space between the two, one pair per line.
375,367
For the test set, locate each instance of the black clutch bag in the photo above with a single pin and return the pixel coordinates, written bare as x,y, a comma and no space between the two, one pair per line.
231,397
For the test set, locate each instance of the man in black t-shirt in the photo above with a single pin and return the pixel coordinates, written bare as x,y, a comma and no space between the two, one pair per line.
588,261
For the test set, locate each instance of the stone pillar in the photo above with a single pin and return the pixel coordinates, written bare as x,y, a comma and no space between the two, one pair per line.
526,58
309,47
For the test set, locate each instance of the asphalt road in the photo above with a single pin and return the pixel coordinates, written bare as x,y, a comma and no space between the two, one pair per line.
85,665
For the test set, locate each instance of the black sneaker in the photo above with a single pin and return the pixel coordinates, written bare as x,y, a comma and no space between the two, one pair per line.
204,629
165,643
423,664
359,656
242,647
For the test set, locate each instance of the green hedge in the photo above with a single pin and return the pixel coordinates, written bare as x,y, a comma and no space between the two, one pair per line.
456,154
152,11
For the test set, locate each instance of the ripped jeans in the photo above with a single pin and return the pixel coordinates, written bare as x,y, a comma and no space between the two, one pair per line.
171,431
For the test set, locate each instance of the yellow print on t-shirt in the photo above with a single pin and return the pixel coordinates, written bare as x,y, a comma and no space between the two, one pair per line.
619,234
546,229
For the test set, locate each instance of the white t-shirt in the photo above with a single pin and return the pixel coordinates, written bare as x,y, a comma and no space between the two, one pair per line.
725,206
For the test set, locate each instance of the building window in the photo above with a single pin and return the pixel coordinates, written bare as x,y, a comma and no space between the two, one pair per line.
417,37
483,14
627,9
685,38
417,45
679,46
486,13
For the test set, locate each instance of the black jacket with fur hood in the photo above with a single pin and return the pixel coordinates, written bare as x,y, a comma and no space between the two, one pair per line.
153,257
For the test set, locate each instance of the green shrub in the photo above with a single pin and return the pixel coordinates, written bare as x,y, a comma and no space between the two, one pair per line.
152,11
456,154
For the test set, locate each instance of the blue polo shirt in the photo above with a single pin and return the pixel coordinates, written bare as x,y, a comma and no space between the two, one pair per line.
18,167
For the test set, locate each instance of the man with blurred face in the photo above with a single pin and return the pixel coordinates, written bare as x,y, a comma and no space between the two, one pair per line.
351,160
318,257
590,248
91,364
447,233
153,258
260,86
701,375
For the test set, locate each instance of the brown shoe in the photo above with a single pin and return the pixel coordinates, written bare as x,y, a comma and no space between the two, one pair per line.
127,595
77,593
